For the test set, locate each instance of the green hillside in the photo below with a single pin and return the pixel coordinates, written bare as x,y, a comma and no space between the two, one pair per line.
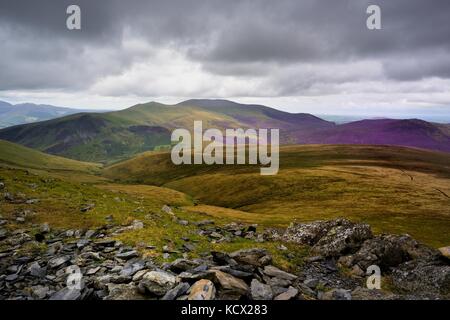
393,188
18,156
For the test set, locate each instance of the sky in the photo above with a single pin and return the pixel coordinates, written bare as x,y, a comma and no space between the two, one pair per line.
313,56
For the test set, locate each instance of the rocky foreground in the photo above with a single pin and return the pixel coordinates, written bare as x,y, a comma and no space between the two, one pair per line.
91,264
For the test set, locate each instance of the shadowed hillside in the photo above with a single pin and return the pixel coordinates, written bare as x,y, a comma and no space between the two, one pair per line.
18,156
411,132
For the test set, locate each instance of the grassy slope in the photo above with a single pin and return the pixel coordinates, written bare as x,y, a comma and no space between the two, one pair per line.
19,156
395,189
60,200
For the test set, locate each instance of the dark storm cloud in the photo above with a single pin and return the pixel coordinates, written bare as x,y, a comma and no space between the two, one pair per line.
233,38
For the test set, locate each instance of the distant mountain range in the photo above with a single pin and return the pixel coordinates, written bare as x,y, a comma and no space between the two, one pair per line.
111,136
11,115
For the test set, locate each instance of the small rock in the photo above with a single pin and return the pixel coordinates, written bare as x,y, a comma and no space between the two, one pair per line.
11,277
14,269
137,225
8,197
188,247
260,291
158,282
3,233
336,294
87,207
222,258
183,222
204,223
237,273
138,275
180,265
45,228
202,290
69,233
105,243
287,295
39,292
127,255
229,284
83,243
123,292
255,257
275,272
370,294
192,276
36,270
92,271
58,261
215,235
445,251
91,255
357,271
78,233
131,267
89,234
311,283
66,294
174,293
167,209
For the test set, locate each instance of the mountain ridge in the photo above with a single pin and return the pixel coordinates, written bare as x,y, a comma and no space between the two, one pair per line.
116,135
22,113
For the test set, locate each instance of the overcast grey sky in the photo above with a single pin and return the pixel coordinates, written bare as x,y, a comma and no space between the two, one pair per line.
297,55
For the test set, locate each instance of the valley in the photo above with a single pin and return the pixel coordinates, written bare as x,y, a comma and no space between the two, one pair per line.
395,189
129,224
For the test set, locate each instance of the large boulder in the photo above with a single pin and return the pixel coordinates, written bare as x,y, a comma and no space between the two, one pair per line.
329,238
308,233
388,251
421,277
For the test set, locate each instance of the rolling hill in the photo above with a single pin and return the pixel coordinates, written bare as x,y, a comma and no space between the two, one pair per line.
396,189
17,156
114,136
11,115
